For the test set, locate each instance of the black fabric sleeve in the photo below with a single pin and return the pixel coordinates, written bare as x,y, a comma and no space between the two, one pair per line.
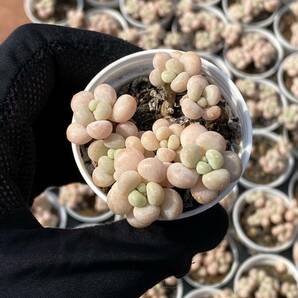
41,67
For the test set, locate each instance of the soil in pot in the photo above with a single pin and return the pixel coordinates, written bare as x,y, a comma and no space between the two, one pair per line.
53,11
81,199
165,289
267,220
213,266
44,211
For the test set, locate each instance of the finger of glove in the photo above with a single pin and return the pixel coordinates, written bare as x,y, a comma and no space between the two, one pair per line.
42,67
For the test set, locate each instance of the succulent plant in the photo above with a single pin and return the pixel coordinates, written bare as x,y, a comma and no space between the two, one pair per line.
142,168
289,117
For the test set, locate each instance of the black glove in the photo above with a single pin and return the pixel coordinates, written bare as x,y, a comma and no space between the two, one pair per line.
41,67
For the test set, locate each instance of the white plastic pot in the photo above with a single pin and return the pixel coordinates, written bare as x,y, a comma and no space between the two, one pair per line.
208,3
111,12
218,61
104,4
292,184
28,7
262,23
272,70
283,177
229,275
203,293
276,27
57,206
212,10
264,260
138,24
54,194
250,244
281,83
276,124
138,64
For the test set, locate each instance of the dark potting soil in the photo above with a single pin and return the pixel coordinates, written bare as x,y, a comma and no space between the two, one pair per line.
259,235
285,24
254,171
61,9
296,190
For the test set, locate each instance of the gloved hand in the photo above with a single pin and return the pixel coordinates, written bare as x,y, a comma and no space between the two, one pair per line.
41,67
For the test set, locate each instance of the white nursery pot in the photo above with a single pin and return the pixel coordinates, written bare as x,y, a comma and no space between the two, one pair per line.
250,244
203,293
265,259
218,61
138,64
229,275
292,183
283,176
104,4
28,8
262,75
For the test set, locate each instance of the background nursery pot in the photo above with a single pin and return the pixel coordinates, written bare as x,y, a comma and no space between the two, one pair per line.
265,259
110,12
279,56
263,23
28,7
229,275
281,83
293,182
218,62
60,209
138,24
282,177
128,68
276,28
104,4
250,244
203,293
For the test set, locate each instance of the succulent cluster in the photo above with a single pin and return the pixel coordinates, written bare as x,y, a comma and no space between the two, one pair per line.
226,293
45,9
98,21
81,198
290,66
261,283
142,167
247,11
271,220
163,289
203,27
148,11
294,24
43,212
275,160
212,265
252,49
262,100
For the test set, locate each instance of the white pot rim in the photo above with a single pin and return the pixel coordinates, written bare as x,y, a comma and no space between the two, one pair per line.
209,3
276,26
59,208
201,293
138,24
247,137
29,12
280,53
292,183
111,12
280,79
105,4
263,23
283,177
250,244
228,277
265,259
